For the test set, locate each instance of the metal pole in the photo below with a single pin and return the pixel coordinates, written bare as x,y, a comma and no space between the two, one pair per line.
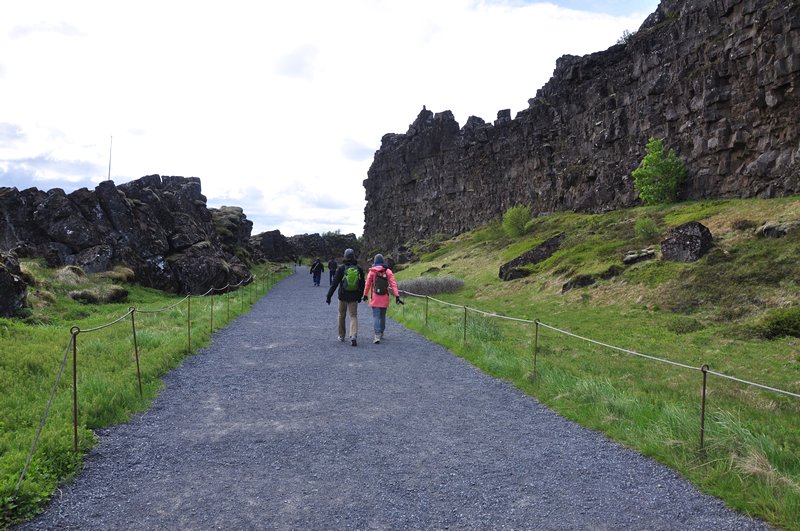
426,310
136,350
189,322
704,370
75,331
535,347
111,144
465,324
228,298
212,312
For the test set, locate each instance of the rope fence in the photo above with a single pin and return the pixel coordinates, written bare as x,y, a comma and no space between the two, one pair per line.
704,369
75,331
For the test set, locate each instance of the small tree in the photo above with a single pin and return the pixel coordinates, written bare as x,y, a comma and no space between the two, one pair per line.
515,219
660,174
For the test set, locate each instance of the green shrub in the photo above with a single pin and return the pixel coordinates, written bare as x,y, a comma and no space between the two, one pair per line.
660,174
646,229
780,322
515,219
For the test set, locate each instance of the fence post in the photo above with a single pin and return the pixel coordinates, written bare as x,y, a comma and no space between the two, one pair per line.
535,346
212,311
136,349
426,310
75,331
228,300
189,322
704,370
465,324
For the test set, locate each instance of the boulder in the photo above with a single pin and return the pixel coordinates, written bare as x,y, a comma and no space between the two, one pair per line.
774,229
13,289
633,257
687,242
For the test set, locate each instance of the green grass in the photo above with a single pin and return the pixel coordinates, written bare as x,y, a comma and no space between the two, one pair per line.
714,311
33,349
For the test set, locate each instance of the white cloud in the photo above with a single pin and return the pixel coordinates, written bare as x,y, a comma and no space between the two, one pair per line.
277,105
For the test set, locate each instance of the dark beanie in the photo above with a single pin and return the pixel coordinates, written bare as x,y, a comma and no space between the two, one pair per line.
378,259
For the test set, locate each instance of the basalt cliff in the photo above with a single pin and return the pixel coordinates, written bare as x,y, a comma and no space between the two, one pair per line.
159,227
717,79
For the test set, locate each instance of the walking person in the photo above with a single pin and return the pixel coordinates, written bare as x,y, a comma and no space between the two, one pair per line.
349,278
316,271
380,284
332,265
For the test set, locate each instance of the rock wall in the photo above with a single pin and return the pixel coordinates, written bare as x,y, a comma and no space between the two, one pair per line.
158,226
717,79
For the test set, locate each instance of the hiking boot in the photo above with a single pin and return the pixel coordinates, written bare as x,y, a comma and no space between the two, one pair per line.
340,338
353,342
377,339
381,335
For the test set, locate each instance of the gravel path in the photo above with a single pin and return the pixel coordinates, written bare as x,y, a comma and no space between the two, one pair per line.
276,425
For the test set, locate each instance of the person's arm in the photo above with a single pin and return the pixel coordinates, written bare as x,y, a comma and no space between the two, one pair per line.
337,278
368,284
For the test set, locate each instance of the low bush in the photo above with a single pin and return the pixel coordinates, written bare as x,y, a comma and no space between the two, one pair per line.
780,322
646,229
431,285
515,221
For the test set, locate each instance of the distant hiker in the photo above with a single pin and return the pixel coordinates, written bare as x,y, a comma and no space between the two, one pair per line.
349,278
332,265
380,284
316,270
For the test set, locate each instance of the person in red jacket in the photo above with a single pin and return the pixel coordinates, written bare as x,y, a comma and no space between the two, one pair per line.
379,285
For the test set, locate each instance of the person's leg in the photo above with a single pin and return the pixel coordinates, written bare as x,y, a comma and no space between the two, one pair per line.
353,307
383,321
342,311
376,320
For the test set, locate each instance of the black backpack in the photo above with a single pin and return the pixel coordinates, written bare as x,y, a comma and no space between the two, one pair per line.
381,282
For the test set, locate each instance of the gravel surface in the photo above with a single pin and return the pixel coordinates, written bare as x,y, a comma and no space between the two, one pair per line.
277,425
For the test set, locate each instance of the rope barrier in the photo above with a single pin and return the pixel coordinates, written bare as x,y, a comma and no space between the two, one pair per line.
72,344
627,351
46,412
163,309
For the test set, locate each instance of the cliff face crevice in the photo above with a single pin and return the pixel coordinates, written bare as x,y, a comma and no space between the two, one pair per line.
717,79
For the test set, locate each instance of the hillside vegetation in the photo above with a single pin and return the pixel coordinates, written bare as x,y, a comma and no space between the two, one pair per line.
737,310
33,348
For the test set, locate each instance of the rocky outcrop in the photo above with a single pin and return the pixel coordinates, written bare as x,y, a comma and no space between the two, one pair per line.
13,289
272,246
325,246
233,229
717,79
157,226
514,269
687,243
773,229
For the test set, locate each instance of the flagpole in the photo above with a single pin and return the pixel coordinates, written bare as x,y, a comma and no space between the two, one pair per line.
109,156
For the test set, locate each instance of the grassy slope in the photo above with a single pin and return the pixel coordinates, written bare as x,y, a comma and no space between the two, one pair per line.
32,350
703,312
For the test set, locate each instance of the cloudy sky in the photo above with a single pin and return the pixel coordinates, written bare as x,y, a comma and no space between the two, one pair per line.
278,107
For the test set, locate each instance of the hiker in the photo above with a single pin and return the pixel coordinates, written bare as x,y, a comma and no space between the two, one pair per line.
349,278
380,283
316,270
332,265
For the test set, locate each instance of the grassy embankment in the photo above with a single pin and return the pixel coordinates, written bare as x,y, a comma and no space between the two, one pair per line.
721,310
32,351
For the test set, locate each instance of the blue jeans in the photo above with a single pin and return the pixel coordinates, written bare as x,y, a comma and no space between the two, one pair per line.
379,319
